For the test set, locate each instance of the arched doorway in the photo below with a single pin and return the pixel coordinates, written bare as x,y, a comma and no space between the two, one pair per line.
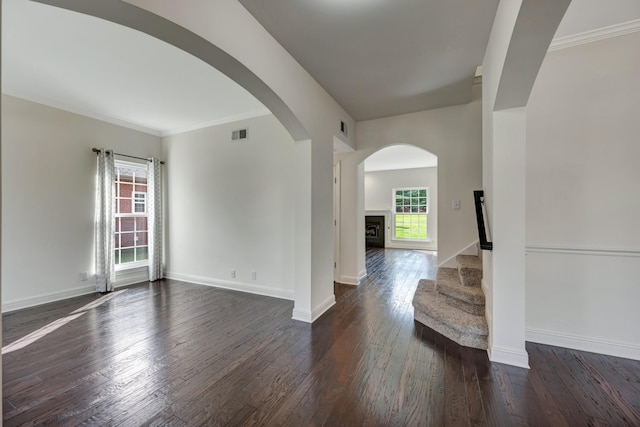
401,198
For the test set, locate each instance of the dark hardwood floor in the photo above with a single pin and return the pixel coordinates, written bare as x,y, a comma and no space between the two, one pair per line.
178,354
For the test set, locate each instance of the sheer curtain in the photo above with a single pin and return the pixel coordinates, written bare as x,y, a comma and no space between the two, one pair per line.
154,212
105,268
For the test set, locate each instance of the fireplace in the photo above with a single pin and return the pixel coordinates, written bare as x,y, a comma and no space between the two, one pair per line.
374,231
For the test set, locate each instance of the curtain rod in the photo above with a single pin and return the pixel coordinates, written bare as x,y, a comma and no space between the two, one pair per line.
95,150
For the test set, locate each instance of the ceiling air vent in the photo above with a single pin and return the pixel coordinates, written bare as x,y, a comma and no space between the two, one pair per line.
239,135
343,128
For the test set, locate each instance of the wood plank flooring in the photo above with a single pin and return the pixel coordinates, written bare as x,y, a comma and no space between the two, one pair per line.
178,354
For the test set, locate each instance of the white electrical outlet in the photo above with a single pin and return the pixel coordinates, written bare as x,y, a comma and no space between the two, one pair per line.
254,275
455,205
233,274
83,276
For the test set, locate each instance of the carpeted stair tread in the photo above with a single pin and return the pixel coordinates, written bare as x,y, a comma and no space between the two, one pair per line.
428,302
448,283
470,268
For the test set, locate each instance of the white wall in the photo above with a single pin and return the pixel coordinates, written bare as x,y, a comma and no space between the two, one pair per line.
232,207
454,134
583,233
378,196
48,197
520,37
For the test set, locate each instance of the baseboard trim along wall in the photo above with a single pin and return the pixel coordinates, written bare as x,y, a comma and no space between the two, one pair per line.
123,278
234,286
576,342
47,298
313,315
509,356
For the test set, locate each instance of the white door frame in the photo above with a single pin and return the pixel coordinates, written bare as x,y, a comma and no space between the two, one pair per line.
336,222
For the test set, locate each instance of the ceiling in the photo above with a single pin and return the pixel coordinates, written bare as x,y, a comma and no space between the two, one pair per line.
93,67
375,57
400,157
381,58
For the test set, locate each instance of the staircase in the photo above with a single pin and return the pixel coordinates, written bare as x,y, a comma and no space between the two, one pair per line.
453,304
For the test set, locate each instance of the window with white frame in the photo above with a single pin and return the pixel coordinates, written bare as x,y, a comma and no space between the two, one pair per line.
410,213
130,197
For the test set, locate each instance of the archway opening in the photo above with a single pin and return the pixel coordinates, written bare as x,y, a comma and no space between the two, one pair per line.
400,189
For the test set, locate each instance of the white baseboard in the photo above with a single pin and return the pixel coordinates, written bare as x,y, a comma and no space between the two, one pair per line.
509,356
123,278
234,286
348,280
398,244
582,343
351,280
471,249
361,275
47,298
302,315
311,316
131,276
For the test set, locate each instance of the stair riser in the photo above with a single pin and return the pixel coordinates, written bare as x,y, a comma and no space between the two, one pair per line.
470,277
476,309
467,340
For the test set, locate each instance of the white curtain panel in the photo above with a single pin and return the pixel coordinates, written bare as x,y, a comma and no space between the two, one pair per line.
105,219
154,200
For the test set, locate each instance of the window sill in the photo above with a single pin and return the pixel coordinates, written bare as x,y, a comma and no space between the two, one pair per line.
393,239
131,265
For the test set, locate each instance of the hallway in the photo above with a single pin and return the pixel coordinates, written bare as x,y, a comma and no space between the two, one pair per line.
174,353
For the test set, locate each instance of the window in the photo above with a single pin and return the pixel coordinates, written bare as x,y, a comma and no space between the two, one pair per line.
131,241
410,215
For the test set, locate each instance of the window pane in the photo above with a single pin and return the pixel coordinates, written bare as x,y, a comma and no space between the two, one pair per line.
423,193
116,256
141,189
127,240
127,223
126,190
142,254
414,209
126,255
126,174
142,239
141,176
407,193
141,223
139,208
117,224
125,205
116,242
423,201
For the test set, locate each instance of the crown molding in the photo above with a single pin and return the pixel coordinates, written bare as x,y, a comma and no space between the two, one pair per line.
595,35
85,113
136,126
235,118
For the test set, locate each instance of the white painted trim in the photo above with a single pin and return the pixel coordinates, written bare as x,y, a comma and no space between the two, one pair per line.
131,277
362,275
421,246
582,343
348,280
85,113
509,356
137,126
47,298
234,286
595,35
321,308
471,249
301,315
313,315
235,118
582,251
351,280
